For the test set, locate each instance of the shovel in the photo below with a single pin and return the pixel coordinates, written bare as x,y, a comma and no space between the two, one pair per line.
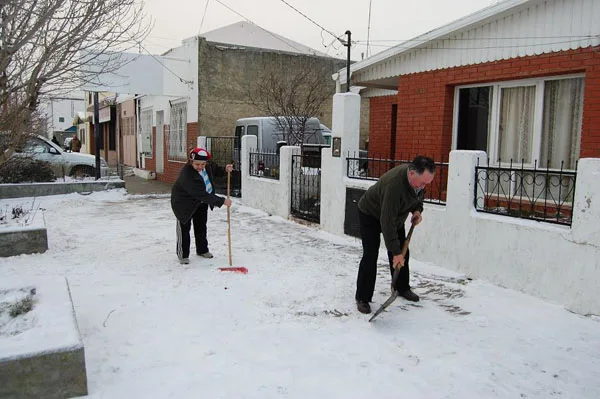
394,295
231,268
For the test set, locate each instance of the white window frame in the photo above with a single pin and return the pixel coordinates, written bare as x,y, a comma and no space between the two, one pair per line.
495,114
178,154
143,123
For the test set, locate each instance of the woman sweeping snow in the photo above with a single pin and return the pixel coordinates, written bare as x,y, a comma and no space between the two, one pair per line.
191,196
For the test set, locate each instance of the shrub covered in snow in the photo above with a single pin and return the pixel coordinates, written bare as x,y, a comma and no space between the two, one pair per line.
26,170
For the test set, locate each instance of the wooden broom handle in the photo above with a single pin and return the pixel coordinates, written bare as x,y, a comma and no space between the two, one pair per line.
229,218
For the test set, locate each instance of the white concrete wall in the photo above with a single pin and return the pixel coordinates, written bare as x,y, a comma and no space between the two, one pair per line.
271,196
556,263
346,126
183,61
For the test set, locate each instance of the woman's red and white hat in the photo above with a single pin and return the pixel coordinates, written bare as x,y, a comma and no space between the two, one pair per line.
199,154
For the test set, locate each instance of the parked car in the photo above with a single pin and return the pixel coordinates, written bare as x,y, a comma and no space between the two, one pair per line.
63,163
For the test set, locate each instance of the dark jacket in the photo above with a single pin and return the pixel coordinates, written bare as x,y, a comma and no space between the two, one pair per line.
390,200
189,192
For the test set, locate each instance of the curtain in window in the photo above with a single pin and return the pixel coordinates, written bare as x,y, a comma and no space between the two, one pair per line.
561,126
515,135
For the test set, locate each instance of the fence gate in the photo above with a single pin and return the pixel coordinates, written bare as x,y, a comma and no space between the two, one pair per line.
226,150
306,187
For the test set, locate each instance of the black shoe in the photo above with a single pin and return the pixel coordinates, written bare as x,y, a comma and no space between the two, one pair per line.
363,307
409,295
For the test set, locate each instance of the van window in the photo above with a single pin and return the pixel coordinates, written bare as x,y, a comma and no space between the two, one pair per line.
253,130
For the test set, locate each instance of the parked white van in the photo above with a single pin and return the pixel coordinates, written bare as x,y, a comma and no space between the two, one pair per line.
270,134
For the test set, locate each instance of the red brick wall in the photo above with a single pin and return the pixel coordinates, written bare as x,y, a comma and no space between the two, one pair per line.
172,168
426,101
380,118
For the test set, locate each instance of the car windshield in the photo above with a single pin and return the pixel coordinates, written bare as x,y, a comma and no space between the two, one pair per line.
34,145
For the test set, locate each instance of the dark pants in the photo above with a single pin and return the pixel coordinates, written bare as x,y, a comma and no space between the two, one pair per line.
183,233
370,232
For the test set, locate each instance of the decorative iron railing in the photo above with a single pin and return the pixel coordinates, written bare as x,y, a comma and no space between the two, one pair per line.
264,164
225,150
360,166
526,191
306,187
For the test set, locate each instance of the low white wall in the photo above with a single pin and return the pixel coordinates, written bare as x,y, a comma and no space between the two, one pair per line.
557,263
271,196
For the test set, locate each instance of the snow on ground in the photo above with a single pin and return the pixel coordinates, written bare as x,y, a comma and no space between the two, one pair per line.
289,329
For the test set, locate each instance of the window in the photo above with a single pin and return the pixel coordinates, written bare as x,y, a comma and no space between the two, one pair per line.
537,122
178,132
61,119
82,135
253,130
146,131
239,132
528,125
473,118
35,146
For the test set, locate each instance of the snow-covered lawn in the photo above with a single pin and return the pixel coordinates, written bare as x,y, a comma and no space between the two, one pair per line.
289,328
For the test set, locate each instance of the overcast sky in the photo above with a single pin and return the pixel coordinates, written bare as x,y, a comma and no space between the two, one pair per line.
391,20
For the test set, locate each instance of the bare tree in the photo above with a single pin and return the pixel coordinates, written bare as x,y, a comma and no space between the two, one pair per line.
59,45
294,94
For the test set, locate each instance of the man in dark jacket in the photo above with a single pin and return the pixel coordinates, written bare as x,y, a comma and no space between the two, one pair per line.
384,209
191,196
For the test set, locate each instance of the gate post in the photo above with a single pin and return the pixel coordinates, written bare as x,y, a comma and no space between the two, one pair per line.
345,126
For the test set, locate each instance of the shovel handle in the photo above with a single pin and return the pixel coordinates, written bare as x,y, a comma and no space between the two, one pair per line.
405,247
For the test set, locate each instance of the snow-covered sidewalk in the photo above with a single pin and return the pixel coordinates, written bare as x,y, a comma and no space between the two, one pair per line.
289,329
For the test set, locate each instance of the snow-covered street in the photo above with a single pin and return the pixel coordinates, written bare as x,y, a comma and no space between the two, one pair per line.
153,328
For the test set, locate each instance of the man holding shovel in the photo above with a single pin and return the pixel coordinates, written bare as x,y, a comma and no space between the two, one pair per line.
384,209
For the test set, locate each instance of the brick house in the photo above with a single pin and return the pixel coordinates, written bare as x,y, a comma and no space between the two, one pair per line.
519,80
215,69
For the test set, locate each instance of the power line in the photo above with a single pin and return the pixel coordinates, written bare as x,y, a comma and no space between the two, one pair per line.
310,19
139,43
270,33
203,15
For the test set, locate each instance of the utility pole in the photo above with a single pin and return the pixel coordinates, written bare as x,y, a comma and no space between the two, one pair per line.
348,44
97,133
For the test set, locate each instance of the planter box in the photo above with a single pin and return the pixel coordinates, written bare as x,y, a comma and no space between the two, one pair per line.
46,358
21,190
29,239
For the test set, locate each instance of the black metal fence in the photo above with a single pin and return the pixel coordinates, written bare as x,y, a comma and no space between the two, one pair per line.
264,164
360,166
306,187
526,192
226,150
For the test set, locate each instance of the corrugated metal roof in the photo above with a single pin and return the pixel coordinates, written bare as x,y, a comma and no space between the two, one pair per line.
506,30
